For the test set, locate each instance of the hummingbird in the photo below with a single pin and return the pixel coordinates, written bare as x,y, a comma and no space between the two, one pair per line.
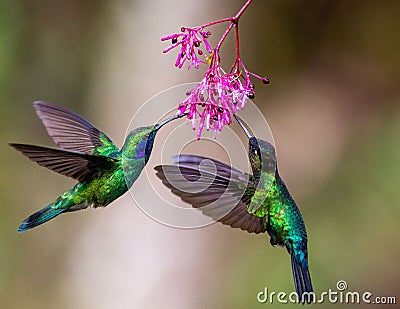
257,203
86,154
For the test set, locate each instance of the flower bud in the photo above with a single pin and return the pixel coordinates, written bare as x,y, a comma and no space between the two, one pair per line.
265,80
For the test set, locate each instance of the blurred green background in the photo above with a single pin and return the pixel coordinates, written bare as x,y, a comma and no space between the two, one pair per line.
333,106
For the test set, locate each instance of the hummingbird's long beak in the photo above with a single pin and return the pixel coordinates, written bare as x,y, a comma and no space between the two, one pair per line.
165,121
243,127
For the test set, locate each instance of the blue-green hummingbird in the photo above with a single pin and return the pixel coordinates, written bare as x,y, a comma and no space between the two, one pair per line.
259,202
86,154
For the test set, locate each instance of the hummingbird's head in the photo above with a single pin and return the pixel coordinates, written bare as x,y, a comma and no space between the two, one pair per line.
262,154
139,142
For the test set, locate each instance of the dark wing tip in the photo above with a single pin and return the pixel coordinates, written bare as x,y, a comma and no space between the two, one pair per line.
158,168
38,104
41,106
19,147
46,110
42,103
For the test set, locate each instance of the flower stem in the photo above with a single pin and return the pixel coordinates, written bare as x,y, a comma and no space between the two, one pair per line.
237,42
224,36
216,22
237,16
234,22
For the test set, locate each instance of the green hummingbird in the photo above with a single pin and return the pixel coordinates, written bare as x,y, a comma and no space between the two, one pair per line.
86,154
256,203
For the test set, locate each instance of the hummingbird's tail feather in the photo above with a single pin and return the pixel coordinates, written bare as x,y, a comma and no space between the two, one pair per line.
302,279
40,217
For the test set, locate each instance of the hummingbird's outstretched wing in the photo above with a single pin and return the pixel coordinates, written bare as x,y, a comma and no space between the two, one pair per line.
72,132
77,165
216,189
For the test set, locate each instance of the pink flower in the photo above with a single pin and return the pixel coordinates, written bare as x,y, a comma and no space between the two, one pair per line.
219,94
216,97
190,40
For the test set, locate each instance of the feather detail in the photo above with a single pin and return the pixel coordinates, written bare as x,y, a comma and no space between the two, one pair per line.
40,217
71,131
77,165
217,190
302,279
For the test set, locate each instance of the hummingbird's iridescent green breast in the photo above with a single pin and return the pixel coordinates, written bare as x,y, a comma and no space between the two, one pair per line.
99,191
284,222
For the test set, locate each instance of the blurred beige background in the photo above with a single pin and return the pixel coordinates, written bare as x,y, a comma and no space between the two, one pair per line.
333,107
